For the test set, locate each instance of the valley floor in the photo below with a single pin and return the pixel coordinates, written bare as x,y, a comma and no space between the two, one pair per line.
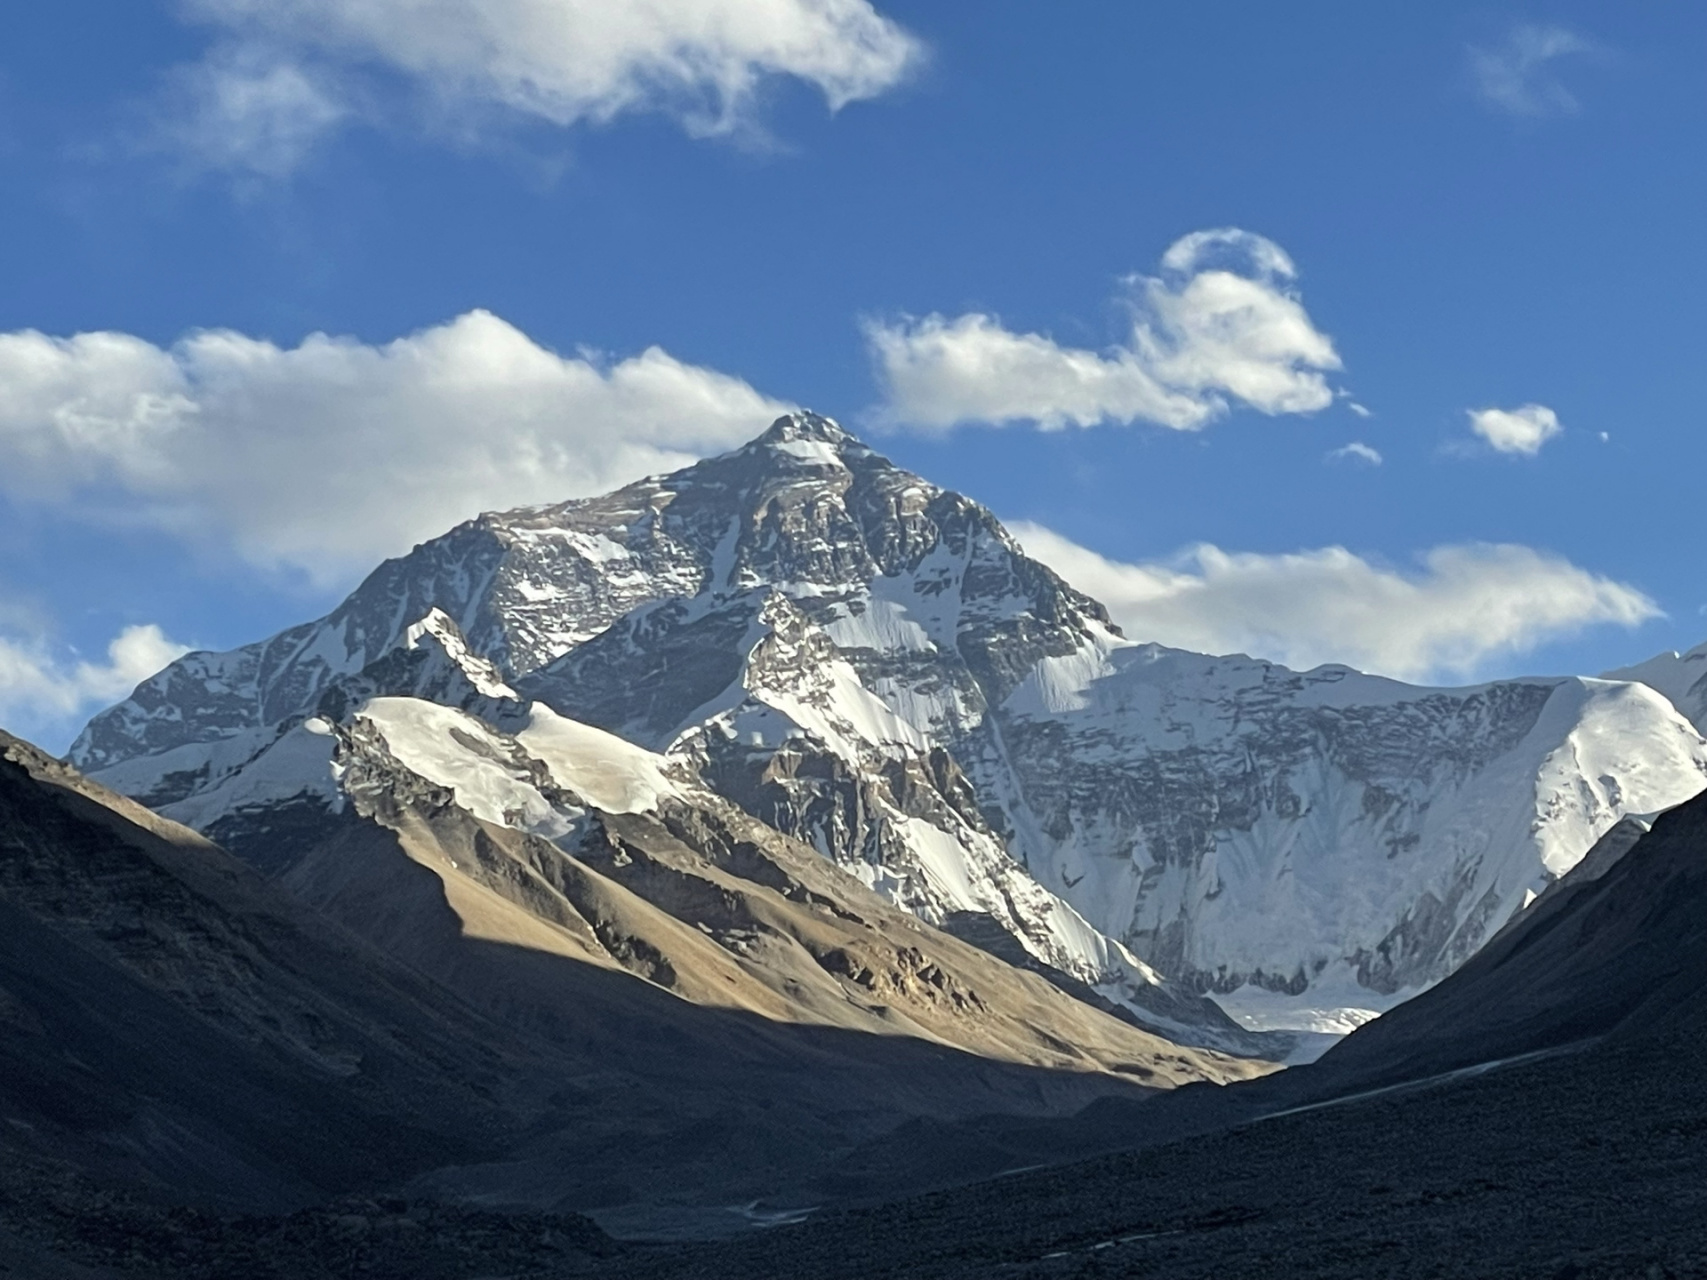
57,1225
1582,1166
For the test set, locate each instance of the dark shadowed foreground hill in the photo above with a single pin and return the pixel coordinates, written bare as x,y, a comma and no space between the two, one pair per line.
1402,1153
180,1039
181,1046
170,1019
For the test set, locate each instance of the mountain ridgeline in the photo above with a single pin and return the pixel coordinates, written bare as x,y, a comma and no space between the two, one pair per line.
801,635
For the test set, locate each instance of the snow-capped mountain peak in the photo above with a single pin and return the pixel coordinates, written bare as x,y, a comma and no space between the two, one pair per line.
872,664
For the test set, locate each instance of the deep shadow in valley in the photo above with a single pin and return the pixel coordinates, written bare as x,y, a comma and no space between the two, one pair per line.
1583,1166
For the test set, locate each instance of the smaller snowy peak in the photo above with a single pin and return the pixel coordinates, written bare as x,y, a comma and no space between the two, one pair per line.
541,764
1681,677
1622,748
489,773
609,772
539,775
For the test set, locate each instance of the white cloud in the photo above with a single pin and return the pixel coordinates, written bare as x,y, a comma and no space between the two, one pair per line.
1221,323
1462,607
1522,430
1517,77
333,453
38,689
1356,451
939,373
295,67
1361,411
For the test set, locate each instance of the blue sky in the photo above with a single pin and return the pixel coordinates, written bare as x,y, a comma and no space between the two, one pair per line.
499,207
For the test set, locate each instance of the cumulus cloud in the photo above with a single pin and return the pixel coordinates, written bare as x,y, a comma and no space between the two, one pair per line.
331,454
1461,607
286,71
40,690
1222,323
1522,430
1356,451
1518,76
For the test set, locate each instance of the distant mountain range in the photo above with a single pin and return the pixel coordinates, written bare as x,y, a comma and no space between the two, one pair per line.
807,635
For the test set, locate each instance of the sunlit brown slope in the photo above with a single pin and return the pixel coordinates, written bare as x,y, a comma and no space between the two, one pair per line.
702,900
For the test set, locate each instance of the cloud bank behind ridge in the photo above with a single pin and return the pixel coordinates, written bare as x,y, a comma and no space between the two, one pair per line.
1462,607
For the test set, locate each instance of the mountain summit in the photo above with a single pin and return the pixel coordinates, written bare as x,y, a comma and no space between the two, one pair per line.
872,665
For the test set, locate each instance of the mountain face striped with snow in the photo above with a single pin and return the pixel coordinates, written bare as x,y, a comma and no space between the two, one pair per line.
872,665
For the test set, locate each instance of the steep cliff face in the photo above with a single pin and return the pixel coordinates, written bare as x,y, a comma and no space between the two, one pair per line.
872,665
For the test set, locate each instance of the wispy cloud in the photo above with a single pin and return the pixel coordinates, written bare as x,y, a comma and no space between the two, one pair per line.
285,73
1222,323
43,692
1519,76
1458,609
234,112
1356,451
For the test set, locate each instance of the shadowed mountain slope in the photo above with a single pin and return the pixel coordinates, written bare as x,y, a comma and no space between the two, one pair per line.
172,1020
674,1014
